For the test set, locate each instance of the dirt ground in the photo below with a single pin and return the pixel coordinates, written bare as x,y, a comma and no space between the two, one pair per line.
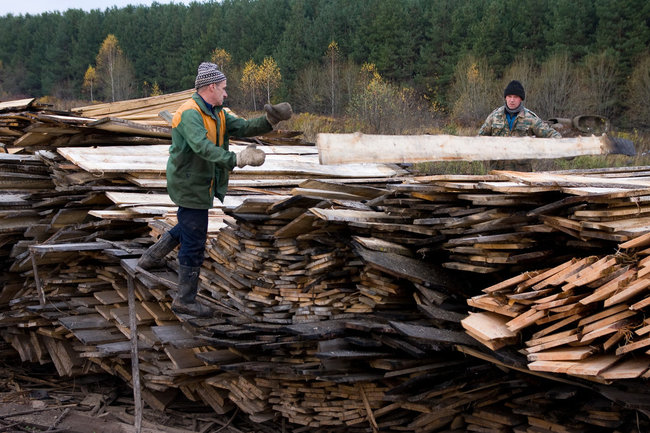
35,399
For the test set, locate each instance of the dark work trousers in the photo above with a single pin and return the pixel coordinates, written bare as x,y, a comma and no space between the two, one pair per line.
192,232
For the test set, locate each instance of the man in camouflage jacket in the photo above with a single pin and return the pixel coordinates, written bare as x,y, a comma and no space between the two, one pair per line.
514,120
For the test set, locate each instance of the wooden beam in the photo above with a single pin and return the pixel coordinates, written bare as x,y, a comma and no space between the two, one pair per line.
364,148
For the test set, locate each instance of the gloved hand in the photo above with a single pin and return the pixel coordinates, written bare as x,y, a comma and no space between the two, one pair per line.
278,112
251,155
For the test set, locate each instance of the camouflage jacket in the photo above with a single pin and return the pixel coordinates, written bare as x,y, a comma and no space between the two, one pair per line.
526,123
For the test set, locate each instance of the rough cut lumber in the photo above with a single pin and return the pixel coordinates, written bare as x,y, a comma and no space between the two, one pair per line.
363,148
575,180
490,327
118,125
19,104
280,160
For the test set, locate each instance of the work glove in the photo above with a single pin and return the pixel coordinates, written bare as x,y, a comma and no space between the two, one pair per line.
278,112
251,155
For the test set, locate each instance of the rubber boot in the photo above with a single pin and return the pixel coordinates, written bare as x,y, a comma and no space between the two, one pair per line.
185,301
153,257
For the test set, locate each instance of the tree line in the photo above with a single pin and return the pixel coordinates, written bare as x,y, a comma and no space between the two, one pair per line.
337,56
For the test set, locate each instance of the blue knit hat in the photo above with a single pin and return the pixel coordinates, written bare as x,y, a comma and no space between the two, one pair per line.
208,73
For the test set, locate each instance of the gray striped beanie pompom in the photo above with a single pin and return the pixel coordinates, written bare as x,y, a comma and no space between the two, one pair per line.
208,73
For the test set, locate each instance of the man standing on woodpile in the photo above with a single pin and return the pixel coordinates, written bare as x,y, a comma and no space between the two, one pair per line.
198,169
514,120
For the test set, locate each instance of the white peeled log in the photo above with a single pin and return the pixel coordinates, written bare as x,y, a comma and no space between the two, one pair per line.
366,148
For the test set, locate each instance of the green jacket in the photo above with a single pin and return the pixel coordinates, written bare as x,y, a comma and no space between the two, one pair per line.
525,124
200,163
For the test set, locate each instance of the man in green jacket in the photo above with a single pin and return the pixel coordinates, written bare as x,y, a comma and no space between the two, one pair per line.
198,169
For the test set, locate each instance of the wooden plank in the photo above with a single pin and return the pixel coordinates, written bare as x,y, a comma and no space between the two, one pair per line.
359,190
182,358
551,338
612,286
633,346
553,343
409,268
382,245
551,366
119,107
593,365
641,304
627,369
85,321
523,320
489,326
489,303
628,292
590,273
360,148
125,126
605,317
540,179
511,282
562,354
16,105
133,159
83,246
93,337
602,314
431,334
637,242
176,336
612,213
558,325
350,215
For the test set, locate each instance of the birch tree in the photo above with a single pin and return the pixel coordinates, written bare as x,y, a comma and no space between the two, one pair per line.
114,71
269,76
249,80
332,55
90,78
221,58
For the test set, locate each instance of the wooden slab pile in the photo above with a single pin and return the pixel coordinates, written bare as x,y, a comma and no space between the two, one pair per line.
584,317
26,126
20,176
245,281
141,110
484,230
333,309
271,289
268,365
511,220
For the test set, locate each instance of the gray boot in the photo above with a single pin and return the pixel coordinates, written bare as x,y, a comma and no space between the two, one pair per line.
185,300
153,257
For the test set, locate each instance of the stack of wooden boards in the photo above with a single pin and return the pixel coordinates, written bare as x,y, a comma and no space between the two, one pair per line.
341,300
336,253
584,317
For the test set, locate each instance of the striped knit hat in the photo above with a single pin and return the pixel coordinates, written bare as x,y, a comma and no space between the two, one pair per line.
208,73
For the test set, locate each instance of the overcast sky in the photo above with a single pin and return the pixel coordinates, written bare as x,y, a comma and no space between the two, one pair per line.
34,7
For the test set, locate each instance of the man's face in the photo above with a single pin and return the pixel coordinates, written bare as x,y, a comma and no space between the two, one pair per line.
513,101
218,93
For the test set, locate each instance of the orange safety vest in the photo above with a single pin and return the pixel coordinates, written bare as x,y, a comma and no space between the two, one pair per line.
208,121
